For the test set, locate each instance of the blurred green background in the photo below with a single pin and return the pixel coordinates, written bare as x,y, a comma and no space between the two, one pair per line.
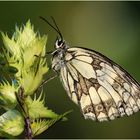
112,28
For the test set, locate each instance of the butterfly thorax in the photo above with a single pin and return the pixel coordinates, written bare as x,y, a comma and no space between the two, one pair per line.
58,59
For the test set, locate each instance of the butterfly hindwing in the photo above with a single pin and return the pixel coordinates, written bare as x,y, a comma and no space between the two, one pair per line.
102,89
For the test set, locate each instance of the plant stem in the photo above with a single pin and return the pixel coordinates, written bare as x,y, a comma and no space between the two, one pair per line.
21,100
28,129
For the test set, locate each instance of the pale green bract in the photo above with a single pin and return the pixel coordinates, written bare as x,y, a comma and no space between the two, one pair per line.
21,52
7,95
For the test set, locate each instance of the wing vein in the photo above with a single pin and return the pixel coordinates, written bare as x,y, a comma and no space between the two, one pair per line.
123,88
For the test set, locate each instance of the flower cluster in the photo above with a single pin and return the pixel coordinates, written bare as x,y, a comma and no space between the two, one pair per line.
23,65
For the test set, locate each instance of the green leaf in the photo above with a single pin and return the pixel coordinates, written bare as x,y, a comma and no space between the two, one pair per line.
39,126
37,108
11,123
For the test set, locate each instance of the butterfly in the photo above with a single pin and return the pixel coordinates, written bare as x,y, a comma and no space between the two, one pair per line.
101,88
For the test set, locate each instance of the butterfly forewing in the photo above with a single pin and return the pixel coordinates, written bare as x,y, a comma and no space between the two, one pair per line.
102,89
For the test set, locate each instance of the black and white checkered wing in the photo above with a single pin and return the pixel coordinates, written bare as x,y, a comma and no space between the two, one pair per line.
102,89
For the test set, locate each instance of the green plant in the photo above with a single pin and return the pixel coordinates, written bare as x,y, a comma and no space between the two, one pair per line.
22,68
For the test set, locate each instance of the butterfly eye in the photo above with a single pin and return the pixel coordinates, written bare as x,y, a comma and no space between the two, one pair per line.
59,43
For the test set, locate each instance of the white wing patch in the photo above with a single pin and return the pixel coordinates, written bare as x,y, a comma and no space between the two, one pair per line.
86,59
85,101
74,97
64,78
103,90
87,71
94,96
74,73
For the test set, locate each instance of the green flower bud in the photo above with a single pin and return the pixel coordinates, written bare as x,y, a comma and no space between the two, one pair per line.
7,95
25,51
11,123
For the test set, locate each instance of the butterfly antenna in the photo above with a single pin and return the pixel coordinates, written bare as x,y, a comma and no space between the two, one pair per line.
55,28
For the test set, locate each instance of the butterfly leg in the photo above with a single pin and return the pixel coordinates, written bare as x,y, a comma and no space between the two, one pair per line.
47,53
46,81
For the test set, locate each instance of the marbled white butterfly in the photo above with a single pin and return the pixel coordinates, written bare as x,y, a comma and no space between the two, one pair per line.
103,89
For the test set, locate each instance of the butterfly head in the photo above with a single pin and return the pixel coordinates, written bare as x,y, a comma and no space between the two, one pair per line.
59,54
60,44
